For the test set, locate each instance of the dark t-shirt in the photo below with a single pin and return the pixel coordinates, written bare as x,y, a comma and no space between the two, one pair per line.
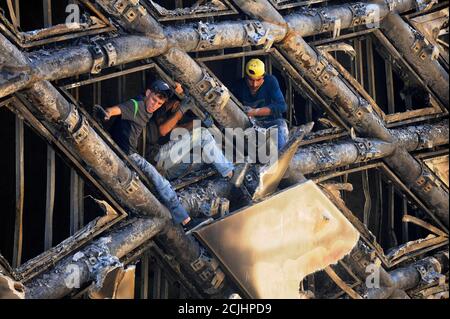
154,139
126,130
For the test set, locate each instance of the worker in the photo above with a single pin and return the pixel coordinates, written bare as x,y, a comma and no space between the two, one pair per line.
261,96
173,157
132,118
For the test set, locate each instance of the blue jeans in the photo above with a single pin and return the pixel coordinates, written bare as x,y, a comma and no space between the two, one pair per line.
283,130
168,196
174,157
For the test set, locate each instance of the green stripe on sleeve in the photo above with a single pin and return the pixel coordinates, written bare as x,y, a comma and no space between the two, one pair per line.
136,107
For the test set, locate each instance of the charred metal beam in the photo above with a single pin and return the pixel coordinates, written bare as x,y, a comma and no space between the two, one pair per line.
394,284
205,88
197,198
425,271
90,263
333,19
80,59
321,157
357,112
420,54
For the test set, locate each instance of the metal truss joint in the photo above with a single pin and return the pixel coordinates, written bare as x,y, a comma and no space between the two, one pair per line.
258,35
214,93
98,58
422,48
427,181
208,270
430,271
207,35
359,12
72,120
82,132
366,150
133,185
111,53
329,24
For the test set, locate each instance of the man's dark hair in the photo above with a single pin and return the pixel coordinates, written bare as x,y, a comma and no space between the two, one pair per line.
161,88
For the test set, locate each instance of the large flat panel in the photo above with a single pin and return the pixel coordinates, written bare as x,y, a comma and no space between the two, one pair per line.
270,247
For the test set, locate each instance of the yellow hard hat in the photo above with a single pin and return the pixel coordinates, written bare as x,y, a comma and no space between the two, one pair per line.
255,69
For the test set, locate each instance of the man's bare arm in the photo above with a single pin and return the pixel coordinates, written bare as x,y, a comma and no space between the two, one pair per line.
112,111
166,127
263,111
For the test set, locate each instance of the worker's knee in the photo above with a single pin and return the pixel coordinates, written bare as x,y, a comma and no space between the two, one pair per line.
206,137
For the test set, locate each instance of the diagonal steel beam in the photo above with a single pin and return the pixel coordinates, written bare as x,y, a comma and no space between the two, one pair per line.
87,264
419,53
328,156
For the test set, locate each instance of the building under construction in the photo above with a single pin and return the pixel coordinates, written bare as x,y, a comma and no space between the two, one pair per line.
357,205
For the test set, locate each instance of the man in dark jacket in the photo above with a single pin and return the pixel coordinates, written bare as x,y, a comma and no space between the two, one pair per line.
261,95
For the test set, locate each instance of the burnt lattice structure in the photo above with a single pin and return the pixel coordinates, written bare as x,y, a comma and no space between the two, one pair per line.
372,76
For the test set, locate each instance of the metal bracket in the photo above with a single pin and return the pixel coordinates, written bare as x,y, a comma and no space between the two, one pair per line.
363,108
208,270
200,262
98,58
72,119
320,66
327,75
131,14
258,35
130,9
207,35
422,48
365,149
329,24
120,5
427,272
111,53
218,279
133,185
427,181
323,71
363,255
423,137
82,132
392,4
211,90
359,11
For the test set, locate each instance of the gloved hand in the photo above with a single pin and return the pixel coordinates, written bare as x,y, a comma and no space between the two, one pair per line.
186,105
100,114
208,121
179,88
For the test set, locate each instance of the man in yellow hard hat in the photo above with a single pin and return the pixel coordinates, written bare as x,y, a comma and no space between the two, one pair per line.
262,97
